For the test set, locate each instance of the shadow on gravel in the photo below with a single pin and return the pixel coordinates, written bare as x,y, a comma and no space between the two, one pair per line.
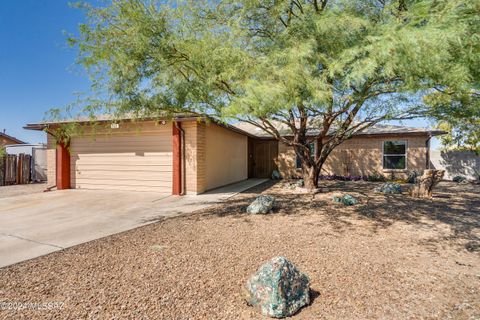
457,205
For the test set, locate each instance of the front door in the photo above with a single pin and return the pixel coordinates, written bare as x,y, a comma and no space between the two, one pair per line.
261,158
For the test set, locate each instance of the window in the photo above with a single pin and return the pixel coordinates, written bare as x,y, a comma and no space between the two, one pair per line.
395,155
311,146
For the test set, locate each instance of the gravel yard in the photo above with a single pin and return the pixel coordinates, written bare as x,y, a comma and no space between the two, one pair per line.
21,189
389,257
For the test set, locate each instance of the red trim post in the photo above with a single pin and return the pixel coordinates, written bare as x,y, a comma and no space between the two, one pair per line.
63,167
177,168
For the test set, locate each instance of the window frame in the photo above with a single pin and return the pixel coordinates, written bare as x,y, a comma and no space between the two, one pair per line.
404,155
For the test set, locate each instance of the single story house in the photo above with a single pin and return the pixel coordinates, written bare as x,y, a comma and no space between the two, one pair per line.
194,154
6,139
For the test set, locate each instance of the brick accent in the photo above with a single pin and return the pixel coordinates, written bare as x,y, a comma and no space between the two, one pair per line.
176,159
195,162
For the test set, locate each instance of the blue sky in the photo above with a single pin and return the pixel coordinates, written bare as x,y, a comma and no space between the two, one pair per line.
37,67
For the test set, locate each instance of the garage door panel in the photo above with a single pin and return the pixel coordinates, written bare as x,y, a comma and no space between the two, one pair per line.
118,175
123,162
153,141
129,171
123,188
124,182
157,139
127,149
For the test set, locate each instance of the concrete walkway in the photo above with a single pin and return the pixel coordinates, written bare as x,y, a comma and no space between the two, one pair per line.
41,223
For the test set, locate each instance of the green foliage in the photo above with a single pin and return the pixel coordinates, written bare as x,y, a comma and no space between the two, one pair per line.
260,58
463,134
3,153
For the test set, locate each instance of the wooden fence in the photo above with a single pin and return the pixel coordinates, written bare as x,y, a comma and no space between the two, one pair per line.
15,169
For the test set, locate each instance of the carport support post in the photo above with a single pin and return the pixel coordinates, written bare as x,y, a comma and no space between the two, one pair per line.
63,166
177,160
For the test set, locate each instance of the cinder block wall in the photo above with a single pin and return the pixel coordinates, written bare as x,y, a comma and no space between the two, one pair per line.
360,156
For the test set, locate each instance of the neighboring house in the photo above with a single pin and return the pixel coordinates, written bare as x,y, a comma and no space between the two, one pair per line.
5,139
195,154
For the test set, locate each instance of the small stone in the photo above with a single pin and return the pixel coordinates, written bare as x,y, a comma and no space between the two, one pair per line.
389,187
261,205
278,289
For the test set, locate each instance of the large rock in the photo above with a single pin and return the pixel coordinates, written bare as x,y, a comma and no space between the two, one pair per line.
278,289
346,199
459,179
261,205
389,187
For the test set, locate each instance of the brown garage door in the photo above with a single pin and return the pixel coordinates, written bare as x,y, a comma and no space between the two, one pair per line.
128,161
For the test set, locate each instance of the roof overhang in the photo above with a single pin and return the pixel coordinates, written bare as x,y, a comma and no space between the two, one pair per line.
12,138
179,118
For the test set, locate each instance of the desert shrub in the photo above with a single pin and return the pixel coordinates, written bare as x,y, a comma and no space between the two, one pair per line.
342,178
376,177
389,187
412,176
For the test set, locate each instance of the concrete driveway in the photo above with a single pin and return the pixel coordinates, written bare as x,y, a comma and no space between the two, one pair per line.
37,224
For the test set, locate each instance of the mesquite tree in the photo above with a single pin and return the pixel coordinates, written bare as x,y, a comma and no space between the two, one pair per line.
321,69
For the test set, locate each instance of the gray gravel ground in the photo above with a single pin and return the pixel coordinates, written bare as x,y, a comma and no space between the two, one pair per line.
390,257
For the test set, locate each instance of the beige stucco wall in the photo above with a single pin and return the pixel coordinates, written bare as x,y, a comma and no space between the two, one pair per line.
226,156
359,156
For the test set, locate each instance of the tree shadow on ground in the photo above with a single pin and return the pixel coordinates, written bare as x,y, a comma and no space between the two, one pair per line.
455,205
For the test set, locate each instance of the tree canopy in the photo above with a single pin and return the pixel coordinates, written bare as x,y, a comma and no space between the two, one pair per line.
332,67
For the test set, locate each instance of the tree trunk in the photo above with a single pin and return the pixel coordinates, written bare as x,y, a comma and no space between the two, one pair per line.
424,186
310,177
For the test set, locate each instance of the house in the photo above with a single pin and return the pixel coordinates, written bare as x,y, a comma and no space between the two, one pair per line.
5,139
192,154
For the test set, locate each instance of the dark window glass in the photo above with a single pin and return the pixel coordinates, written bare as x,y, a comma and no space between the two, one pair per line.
311,146
394,155
394,162
394,147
